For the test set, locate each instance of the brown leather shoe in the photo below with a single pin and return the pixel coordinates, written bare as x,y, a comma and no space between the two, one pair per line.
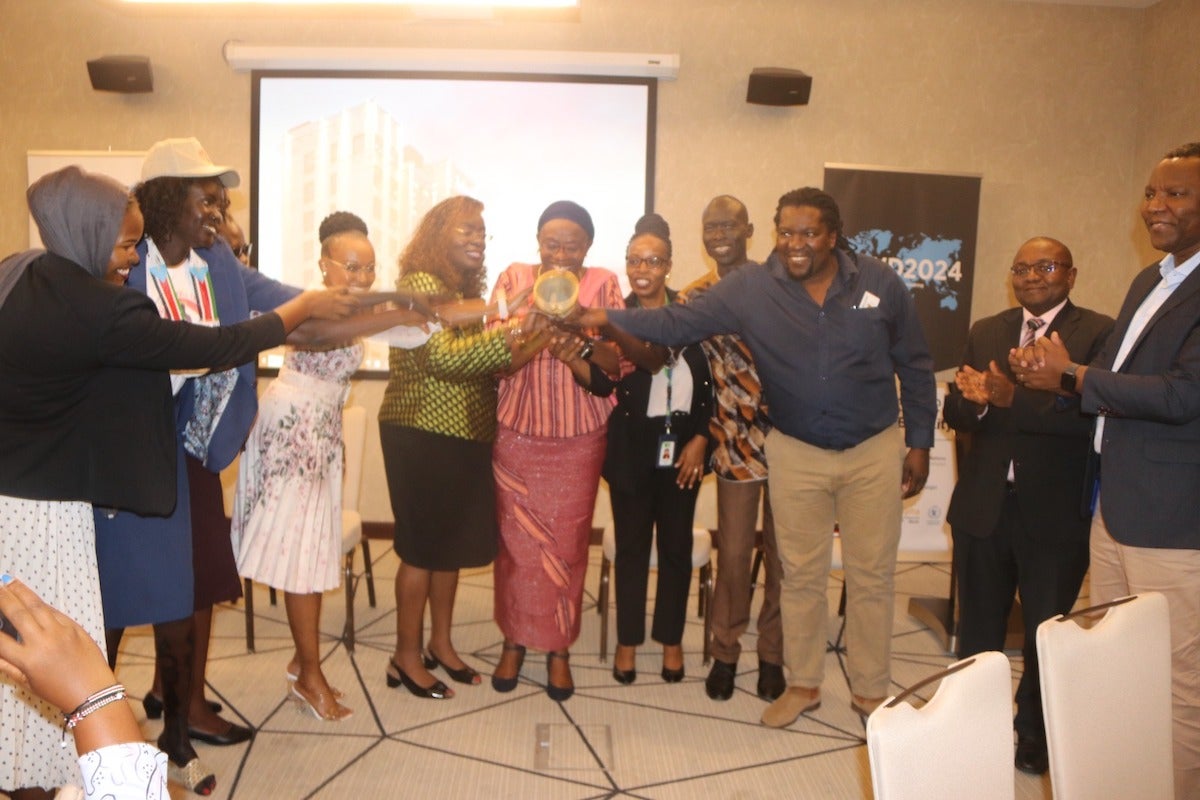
791,704
863,706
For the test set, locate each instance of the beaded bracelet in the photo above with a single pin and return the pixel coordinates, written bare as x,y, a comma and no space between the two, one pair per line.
94,703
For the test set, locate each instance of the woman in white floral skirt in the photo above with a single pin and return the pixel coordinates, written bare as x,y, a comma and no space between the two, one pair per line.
287,518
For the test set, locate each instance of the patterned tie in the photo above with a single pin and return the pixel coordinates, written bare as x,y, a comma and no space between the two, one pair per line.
1031,329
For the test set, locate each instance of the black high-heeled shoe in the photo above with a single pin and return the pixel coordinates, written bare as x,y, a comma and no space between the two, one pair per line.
557,693
465,675
625,676
508,684
153,705
669,674
672,675
438,691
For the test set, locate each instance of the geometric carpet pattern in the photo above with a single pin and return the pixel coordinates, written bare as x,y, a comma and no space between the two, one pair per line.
648,740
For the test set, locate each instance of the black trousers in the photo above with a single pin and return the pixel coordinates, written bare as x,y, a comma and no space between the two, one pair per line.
658,504
1047,572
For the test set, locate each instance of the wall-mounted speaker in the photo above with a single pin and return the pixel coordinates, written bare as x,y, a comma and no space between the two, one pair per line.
126,74
776,86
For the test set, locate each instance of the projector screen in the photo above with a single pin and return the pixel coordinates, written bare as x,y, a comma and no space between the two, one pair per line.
388,146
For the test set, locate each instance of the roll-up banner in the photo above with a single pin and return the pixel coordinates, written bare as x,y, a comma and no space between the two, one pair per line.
923,225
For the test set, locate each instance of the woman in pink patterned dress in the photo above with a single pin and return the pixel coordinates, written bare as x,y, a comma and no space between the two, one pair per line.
553,413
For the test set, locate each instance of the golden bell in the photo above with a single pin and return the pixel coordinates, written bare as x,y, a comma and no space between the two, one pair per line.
556,291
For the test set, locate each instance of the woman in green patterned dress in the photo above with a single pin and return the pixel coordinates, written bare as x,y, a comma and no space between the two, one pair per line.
436,425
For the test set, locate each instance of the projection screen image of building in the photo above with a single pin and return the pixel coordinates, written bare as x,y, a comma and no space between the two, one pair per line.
389,146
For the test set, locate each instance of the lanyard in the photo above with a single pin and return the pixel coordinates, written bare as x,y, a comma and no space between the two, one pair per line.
202,291
667,424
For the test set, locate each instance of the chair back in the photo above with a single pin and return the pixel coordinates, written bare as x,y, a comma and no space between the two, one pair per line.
354,435
959,744
1106,696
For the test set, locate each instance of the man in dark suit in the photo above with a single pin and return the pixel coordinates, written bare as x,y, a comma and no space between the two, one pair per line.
1015,514
1145,387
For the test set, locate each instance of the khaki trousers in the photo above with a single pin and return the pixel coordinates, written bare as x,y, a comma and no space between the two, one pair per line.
859,490
1119,570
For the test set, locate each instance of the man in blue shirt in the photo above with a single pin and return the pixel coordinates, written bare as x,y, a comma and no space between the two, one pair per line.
830,331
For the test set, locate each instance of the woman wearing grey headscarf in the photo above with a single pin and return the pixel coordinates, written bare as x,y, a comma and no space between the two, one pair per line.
86,416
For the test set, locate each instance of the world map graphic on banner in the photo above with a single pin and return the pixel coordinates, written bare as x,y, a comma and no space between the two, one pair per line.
925,263
923,226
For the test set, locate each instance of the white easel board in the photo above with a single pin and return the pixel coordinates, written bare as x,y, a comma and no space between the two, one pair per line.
124,165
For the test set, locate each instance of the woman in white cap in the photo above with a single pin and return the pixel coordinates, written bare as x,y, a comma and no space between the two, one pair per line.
171,571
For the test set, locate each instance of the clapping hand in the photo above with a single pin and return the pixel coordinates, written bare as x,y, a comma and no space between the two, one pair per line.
985,388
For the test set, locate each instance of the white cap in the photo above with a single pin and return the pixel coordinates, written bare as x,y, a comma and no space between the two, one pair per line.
184,158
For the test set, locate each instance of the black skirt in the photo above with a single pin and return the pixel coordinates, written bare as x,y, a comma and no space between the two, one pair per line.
443,498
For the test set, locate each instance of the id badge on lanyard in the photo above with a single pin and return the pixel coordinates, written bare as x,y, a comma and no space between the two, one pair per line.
667,440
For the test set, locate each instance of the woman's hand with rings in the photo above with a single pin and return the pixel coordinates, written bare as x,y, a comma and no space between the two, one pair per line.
691,463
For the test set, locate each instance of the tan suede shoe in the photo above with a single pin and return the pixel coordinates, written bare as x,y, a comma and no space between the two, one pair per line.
790,705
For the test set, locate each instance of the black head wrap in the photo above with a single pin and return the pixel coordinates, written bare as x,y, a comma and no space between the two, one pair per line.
565,209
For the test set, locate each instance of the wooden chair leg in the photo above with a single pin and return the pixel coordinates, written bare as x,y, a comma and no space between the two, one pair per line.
706,591
248,593
348,577
368,572
605,570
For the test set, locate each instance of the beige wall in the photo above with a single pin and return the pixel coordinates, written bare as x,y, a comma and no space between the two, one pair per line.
1061,108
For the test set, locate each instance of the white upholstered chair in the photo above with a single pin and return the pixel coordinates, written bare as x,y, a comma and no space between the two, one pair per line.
701,559
958,745
1106,695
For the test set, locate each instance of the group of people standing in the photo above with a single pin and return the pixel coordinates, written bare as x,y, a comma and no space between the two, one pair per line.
109,497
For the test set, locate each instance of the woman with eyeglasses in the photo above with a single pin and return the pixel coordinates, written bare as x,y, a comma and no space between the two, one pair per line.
436,424
287,516
657,442
553,411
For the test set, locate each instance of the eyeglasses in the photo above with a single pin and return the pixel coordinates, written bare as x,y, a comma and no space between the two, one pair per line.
354,269
1047,267
568,249
243,251
724,227
469,233
654,262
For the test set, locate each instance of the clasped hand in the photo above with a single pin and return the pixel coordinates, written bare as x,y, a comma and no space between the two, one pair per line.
1041,364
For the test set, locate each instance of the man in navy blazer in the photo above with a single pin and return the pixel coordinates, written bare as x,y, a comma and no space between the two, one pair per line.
1145,388
1015,514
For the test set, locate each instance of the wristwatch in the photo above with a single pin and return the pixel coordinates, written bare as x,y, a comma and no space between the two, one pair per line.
1067,381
